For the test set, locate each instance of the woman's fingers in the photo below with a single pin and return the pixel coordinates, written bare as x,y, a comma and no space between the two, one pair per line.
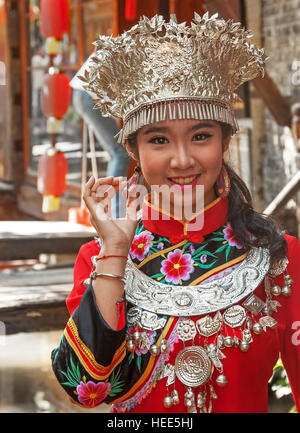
88,186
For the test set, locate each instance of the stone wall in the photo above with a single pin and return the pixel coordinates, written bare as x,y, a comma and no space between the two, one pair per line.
281,39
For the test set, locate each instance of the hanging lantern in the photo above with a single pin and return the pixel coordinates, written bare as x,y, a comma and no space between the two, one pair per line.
130,10
54,18
55,99
51,178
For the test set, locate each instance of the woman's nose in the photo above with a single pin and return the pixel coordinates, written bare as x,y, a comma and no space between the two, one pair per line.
182,157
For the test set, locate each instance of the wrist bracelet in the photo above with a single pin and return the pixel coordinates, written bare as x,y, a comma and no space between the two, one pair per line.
94,275
112,255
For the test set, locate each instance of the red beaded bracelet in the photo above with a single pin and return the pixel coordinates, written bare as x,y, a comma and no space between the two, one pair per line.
112,255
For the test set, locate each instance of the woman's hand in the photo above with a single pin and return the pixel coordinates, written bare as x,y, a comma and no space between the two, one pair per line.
114,233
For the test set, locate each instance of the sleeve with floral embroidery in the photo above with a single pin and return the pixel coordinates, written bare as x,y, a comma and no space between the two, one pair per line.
91,362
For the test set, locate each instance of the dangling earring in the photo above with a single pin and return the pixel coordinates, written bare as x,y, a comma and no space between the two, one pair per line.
223,183
134,180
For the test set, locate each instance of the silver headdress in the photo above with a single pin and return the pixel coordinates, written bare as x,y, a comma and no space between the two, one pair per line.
162,70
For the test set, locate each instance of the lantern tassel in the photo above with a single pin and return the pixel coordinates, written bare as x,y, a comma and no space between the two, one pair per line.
50,203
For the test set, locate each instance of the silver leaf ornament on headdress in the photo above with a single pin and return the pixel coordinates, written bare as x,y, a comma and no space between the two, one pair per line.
162,70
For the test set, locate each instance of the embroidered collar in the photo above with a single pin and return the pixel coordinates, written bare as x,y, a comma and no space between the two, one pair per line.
209,219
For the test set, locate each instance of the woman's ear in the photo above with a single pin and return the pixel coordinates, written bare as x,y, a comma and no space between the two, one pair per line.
226,142
129,151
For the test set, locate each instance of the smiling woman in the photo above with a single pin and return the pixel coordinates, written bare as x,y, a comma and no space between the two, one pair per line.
164,309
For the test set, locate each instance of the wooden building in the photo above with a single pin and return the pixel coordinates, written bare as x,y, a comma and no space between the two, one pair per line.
23,62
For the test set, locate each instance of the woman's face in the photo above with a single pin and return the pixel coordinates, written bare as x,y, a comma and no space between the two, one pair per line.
182,154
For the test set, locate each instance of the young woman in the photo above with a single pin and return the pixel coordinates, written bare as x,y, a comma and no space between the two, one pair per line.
168,313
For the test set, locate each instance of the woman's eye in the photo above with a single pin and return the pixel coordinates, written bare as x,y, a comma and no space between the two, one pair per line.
201,137
159,140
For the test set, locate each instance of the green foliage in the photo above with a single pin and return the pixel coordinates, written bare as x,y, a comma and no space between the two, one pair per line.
280,383
116,384
73,375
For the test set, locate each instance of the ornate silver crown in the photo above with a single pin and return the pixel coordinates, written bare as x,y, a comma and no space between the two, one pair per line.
162,70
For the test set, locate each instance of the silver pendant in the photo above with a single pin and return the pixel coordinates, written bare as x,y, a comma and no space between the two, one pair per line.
247,336
272,305
254,304
193,366
144,342
169,372
208,326
279,267
151,321
268,321
186,330
234,316
215,355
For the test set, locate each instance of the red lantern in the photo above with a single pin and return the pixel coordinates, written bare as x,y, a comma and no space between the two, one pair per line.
51,178
52,170
130,10
56,94
54,18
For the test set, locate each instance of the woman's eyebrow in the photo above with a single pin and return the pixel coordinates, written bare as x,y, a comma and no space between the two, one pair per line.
165,129
155,129
201,125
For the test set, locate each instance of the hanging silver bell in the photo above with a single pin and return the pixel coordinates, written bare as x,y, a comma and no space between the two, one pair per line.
164,348
174,395
221,380
189,398
130,346
286,291
276,290
168,401
228,341
189,393
154,350
188,402
244,346
257,328
288,280
220,342
201,399
136,336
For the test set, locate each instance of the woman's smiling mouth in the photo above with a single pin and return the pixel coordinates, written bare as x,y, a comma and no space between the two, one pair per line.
184,180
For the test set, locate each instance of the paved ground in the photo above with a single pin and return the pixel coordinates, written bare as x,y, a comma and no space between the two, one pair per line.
27,383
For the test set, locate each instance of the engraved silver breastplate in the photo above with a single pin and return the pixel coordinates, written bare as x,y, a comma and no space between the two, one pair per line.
207,297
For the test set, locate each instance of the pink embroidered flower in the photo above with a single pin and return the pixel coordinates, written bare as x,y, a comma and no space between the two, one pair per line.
230,237
177,266
90,393
141,244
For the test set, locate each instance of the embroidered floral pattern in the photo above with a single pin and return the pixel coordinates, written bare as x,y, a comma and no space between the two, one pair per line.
141,244
91,393
177,267
190,260
230,236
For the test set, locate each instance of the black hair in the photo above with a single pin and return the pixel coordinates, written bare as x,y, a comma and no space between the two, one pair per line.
251,228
